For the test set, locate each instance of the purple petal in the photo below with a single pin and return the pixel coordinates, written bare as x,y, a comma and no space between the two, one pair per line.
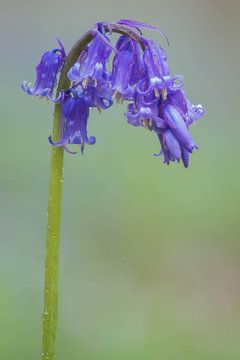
178,127
74,118
172,145
136,24
194,113
185,157
123,64
46,74
92,62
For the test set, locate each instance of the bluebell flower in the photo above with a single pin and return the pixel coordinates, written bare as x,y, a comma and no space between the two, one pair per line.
46,73
123,63
127,65
143,111
74,118
176,140
100,96
157,77
91,64
139,74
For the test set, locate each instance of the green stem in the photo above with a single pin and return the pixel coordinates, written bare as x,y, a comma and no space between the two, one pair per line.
54,204
52,247
54,217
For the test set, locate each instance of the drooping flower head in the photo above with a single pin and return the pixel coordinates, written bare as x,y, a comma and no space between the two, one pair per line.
46,73
74,118
139,74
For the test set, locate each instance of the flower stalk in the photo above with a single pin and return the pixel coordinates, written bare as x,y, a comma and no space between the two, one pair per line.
139,75
49,318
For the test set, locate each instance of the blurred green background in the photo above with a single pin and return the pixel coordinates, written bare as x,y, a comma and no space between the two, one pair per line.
149,253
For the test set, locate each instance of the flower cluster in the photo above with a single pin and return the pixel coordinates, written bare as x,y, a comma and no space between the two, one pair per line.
135,70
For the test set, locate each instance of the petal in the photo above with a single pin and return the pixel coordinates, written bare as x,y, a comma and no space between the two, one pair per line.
178,127
123,64
172,144
179,100
185,157
194,113
155,60
136,24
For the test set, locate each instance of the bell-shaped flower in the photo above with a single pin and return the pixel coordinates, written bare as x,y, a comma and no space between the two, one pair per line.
143,112
176,139
157,76
178,127
190,112
91,64
98,96
74,118
46,73
127,64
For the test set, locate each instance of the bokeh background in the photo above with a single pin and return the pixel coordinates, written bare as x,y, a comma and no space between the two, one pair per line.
149,253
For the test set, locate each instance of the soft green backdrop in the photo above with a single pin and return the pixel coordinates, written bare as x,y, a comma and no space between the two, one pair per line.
149,253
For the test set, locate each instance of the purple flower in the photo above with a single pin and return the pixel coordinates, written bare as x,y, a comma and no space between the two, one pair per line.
176,140
170,119
127,65
143,111
92,62
98,96
139,74
46,73
171,148
74,117
157,76
178,127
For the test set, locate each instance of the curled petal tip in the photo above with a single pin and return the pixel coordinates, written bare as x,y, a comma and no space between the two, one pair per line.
199,109
50,140
136,24
24,85
177,82
92,140
61,47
